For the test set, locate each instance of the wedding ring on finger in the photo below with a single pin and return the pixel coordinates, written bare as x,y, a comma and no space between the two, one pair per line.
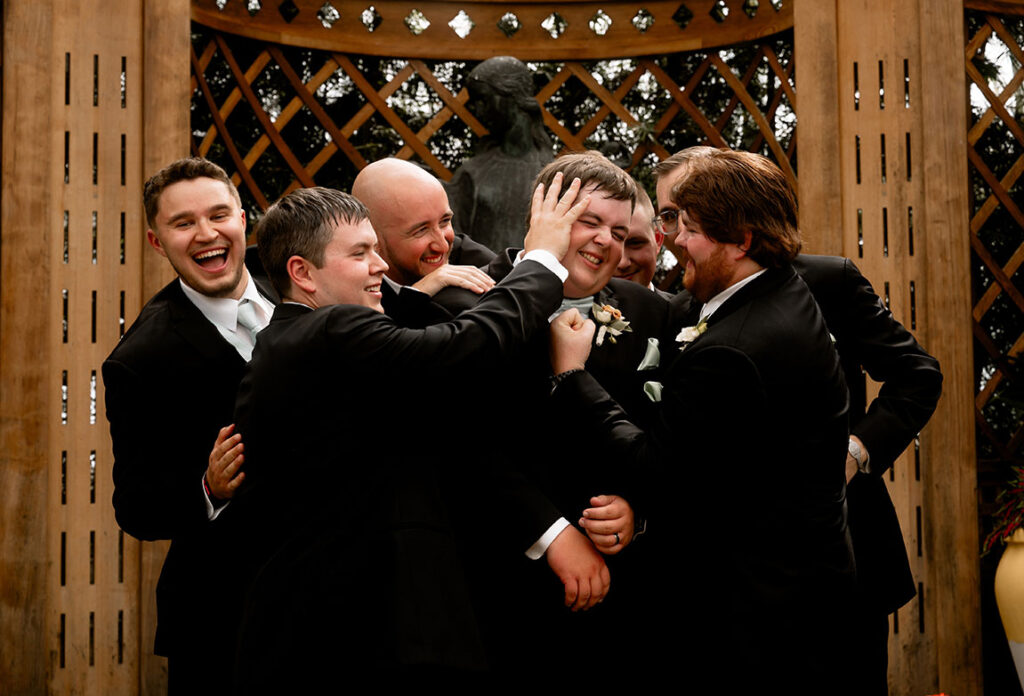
617,540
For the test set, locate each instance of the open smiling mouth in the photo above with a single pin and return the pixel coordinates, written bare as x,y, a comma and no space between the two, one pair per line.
596,260
212,259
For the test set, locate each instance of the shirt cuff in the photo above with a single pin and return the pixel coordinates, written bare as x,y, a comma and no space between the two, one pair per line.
545,259
211,511
540,546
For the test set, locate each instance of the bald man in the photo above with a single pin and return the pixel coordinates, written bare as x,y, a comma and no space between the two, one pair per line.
410,213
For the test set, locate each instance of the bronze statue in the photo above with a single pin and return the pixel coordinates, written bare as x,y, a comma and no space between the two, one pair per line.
490,192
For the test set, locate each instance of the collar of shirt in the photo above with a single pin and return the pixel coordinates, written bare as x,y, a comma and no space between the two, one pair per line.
398,288
222,312
712,305
582,304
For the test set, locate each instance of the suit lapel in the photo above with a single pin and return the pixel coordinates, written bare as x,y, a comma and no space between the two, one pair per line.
197,330
771,278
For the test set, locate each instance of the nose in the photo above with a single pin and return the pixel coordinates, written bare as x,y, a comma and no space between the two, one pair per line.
205,231
623,262
439,240
378,264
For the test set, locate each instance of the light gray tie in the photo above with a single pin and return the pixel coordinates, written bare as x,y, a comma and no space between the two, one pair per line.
249,319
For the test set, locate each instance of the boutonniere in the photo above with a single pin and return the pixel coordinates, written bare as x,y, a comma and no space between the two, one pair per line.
610,322
689,334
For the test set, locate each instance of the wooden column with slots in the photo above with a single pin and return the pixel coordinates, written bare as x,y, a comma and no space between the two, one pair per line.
72,232
888,188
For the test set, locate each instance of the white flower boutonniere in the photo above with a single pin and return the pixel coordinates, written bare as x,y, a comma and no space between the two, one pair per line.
689,334
610,323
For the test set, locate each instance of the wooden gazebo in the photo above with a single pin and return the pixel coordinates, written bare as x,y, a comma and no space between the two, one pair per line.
97,95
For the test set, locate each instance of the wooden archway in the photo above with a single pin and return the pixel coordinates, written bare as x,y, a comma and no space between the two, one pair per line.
90,105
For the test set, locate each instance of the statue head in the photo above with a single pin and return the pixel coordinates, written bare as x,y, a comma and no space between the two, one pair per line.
501,96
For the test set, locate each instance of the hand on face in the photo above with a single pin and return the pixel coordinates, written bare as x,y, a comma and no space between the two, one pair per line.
551,217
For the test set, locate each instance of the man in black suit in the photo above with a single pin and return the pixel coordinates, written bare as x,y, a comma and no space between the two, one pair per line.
749,442
643,244
409,212
364,571
170,387
516,426
868,338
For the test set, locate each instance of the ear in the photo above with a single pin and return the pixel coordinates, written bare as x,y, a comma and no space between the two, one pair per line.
154,242
242,212
744,246
659,238
299,271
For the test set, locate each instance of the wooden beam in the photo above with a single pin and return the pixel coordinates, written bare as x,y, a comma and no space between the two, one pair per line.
951,496
27,404
819,190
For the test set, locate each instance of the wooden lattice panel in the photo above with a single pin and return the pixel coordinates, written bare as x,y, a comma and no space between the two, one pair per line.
255,106
993,59
94,241
482,28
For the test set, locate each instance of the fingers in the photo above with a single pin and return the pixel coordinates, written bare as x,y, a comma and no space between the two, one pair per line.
568,319
224,452
234,459
570,193
611,507
583,601
587,329
572,591
617,525
470,278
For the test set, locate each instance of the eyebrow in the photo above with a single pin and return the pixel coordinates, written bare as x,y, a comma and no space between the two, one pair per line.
412,228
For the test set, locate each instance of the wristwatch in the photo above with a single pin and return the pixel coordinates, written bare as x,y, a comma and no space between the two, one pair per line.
859,456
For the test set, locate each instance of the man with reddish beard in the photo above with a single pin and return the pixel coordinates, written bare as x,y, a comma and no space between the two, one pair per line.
410,213
868,339
747,448
517,428
177,368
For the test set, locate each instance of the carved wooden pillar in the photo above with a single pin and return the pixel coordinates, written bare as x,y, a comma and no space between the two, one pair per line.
884,181
80,102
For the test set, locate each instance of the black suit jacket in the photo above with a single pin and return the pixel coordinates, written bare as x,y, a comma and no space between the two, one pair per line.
870,340
342,456
524,396
514,426
747,451
170,385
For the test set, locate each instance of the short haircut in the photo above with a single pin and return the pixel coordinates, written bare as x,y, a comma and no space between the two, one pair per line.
673,162
729,193
591,168
643,200
181,170
302,224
